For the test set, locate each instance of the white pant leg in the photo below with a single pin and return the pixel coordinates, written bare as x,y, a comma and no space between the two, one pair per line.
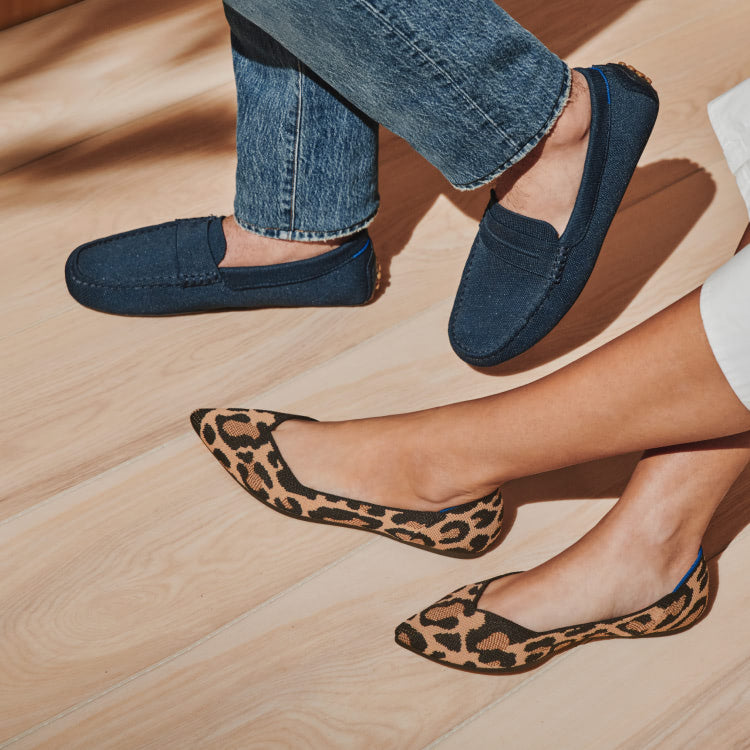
725,297
725,309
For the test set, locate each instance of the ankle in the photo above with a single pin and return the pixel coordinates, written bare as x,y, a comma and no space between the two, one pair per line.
663,549
245,248
574,122
438,475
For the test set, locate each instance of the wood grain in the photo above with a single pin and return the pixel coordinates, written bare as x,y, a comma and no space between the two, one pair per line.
17,11
147,601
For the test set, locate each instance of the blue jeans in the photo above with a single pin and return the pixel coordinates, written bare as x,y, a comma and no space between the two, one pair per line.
470,90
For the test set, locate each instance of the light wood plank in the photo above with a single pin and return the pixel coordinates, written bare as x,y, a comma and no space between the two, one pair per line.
100,64
360,690
148,601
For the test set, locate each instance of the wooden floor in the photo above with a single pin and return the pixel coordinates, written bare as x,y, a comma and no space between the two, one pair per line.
145,600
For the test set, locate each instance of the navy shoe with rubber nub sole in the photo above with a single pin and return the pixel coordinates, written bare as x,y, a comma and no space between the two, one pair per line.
173,268
520,277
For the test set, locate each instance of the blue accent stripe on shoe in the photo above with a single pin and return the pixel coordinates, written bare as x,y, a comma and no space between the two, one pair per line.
609,98
445,510
692,569
359,252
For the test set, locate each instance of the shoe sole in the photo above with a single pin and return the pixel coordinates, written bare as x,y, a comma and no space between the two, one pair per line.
551,655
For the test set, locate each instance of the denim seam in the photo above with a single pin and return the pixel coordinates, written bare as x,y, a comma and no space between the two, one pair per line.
405,38
295,155
560,102
323,233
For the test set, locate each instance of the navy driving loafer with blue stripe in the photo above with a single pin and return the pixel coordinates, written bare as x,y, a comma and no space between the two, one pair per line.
173,268
521,277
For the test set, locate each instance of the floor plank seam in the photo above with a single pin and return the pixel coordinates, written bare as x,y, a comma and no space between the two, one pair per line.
692,173
186,649
83,484
703,698
127,462
353,348
666,33
41,321
524,683
124,124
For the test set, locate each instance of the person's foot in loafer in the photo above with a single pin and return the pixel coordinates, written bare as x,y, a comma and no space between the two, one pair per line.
537,246
545,183
211,263
246,248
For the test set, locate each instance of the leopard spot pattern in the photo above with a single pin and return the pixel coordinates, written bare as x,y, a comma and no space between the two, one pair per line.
482,641
242,441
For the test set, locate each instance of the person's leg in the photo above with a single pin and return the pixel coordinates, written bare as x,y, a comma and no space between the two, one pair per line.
306,158
657,385
468,87
475,93
639,551
639,572
306,188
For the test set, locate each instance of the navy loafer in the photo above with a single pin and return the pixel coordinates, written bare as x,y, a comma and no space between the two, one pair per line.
174,268
520,277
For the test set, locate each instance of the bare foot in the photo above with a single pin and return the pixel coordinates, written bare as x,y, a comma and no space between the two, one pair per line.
393,461
545,184
249,249
607,573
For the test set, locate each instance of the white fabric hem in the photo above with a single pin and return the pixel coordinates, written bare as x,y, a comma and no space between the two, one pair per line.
730,118
725,310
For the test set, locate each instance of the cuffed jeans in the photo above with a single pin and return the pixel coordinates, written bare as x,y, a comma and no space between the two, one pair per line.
470,90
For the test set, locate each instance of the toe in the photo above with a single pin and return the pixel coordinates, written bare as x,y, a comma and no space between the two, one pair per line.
141,256
197,419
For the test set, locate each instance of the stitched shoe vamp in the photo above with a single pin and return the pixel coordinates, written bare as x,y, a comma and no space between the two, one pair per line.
146,256
506,279
160,270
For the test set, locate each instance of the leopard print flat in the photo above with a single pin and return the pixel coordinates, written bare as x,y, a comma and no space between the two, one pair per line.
456,633
242,441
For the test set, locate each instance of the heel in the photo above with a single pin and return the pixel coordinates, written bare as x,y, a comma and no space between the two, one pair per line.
632,78
637,72
377,274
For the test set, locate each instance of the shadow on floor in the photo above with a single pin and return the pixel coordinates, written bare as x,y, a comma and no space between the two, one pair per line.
676,194
70,30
